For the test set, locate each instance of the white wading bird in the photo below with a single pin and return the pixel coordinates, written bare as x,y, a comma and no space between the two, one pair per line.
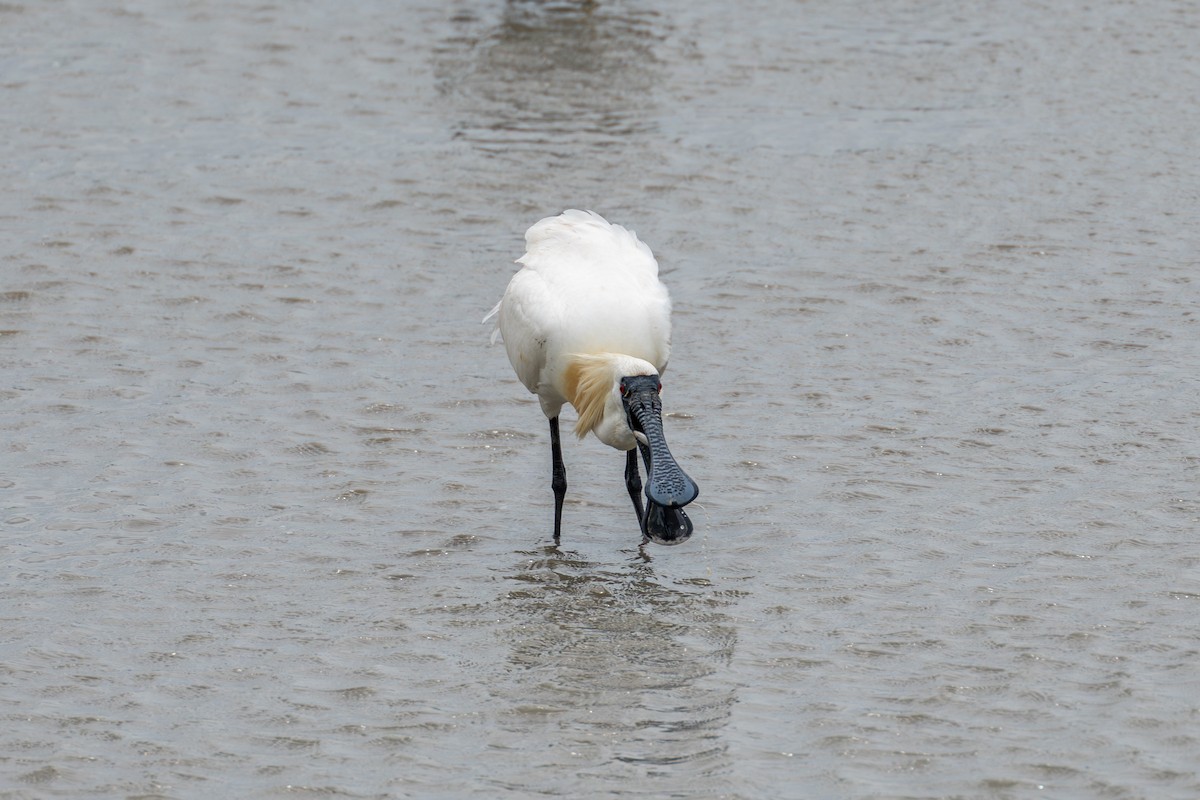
587,322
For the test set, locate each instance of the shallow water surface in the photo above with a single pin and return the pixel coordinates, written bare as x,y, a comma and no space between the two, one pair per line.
276,518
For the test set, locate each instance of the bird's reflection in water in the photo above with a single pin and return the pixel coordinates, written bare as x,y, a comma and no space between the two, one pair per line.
566,73
620,665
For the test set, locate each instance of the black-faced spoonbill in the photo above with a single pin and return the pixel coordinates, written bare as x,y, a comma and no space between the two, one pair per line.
586,321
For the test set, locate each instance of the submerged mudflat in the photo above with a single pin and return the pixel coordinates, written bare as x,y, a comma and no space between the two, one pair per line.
277,518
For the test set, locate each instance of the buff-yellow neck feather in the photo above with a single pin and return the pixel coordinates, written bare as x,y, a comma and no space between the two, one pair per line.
588,380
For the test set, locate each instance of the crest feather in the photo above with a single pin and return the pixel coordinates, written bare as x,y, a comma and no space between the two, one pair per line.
588,381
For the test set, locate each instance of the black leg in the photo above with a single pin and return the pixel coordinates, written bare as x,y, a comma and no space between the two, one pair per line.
633,482
643,518
645,456
558,480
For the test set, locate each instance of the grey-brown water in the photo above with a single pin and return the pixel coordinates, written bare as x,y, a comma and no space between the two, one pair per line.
276,519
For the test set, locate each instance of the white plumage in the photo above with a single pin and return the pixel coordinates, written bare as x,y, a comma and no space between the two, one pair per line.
588,288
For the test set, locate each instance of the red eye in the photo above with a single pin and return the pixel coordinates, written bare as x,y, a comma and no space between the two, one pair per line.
660,387
624,391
